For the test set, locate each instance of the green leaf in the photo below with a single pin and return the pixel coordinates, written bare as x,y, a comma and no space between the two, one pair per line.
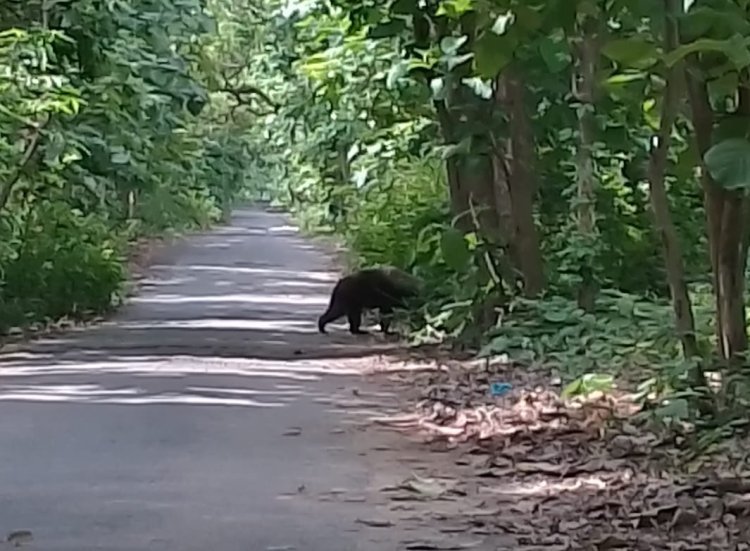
714,22
625,306
737,51
395,73
454,61
674,409
405,7
454,249
623,78
572,389
556,316
530,18
555,54
725,85
699,46
461,148
493,53
120,158
696,23
728,162
387,29
480,87
449,45
55,146
588,383
455,8
631,52
502,23
498,345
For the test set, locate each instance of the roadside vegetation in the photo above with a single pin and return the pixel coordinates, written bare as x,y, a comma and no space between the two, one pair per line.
111,133
570,178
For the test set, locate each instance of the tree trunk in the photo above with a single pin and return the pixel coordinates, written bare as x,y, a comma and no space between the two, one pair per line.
745,236
726,230
672,251
459,201
584,91
504,208
732,278
523,184
471,180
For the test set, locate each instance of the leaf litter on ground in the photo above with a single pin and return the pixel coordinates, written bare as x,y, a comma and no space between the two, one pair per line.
550,473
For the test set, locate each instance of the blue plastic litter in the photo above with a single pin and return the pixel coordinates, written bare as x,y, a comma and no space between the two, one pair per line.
498,389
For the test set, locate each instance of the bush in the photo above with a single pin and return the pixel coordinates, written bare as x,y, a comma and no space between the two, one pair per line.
387,225
59,263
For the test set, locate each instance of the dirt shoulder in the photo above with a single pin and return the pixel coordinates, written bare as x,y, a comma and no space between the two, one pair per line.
526,471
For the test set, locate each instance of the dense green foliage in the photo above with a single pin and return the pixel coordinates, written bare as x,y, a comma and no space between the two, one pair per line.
105,136
383,104
549,167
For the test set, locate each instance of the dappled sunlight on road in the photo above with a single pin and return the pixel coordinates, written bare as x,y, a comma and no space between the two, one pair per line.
252,270
287,326
208,395
175,379
97,394
284,229
235,382
279,299
181,365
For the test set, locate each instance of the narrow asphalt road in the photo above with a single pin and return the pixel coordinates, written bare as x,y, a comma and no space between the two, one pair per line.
199,418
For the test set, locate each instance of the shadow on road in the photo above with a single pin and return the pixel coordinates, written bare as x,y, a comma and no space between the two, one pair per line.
237,303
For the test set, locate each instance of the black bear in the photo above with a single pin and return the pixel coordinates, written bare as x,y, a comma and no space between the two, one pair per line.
382,288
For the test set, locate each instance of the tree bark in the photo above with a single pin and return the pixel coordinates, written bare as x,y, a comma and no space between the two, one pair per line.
523,184
584,90
672,250
732,279
459,200
726,229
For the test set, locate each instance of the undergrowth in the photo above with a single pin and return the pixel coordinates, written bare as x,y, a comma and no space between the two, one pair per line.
403,221
58,262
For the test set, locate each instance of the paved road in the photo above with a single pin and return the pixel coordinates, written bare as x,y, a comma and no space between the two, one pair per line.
164,429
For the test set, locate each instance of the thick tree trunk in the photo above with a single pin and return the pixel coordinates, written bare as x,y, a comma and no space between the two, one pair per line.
471,181
508,261
522,184
503,201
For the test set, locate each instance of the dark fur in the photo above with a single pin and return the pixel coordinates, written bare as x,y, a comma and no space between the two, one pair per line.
371,288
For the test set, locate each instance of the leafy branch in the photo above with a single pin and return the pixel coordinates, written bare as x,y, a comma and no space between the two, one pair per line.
246,93
33,139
